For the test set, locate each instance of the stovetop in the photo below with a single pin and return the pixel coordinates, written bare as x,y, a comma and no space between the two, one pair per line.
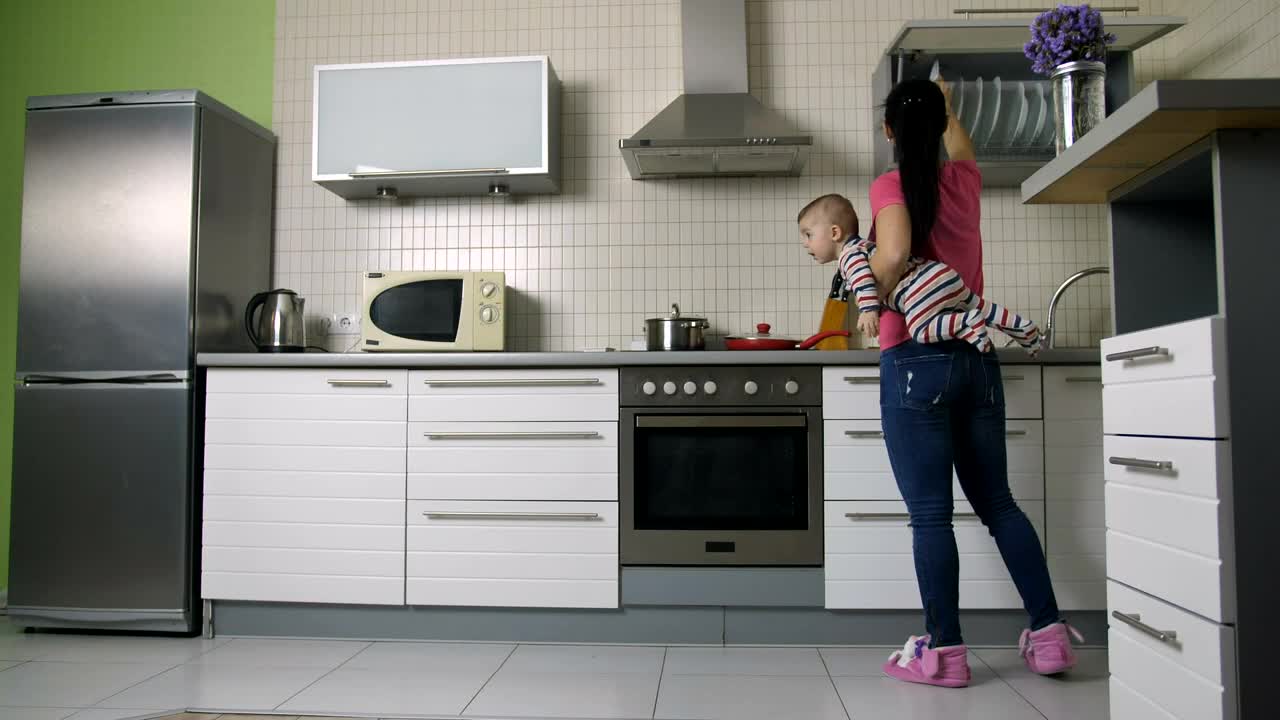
716,386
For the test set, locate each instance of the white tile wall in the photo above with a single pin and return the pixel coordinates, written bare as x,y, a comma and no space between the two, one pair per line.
589,264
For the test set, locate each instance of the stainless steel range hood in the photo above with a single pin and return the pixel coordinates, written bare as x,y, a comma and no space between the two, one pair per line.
716,128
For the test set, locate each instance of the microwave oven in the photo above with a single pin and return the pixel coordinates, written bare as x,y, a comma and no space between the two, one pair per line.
408,311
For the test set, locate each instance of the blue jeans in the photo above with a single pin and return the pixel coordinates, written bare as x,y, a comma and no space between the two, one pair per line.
942,406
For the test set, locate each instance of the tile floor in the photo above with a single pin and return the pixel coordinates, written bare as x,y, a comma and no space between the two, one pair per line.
51,677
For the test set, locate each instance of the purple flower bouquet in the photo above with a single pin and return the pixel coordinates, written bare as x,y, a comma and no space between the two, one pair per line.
1066,34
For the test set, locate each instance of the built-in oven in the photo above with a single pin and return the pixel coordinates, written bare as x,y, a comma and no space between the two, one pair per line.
721,465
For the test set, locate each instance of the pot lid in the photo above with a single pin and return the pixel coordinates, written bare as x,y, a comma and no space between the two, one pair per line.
675,315
762,333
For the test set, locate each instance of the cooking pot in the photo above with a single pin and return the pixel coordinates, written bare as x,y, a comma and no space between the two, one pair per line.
762,340
675,332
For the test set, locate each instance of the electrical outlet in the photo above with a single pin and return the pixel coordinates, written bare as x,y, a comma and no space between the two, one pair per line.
340,324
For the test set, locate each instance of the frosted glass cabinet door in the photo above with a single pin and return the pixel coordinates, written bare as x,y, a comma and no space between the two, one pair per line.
432,117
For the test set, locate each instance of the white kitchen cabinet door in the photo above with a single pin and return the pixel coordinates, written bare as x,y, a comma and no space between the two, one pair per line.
1075,521
853,393
868,560
512,554
435,127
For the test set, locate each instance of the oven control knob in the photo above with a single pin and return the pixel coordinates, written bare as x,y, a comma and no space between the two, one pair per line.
690,387
792,387
488,314
751,388
488,289
709,387
669,387
648,388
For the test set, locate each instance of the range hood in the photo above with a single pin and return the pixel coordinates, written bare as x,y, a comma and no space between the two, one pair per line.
716,128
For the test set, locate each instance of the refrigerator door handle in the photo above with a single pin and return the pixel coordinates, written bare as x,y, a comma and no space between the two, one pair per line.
80,380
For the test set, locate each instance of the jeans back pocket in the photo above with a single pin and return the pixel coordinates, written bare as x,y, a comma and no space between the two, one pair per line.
922,381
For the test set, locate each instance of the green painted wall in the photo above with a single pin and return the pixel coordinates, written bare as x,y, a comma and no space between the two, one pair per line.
223,47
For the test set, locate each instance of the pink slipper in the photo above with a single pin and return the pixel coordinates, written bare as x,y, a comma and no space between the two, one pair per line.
918,663
1047,651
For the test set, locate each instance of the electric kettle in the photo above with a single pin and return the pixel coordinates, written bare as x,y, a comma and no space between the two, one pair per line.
279,328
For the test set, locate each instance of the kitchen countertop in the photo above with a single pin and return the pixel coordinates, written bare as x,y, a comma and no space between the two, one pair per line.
1014,356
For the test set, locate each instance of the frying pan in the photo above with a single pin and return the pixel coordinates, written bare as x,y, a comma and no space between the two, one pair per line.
762,340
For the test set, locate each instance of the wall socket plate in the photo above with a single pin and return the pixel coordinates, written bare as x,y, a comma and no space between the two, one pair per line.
340,324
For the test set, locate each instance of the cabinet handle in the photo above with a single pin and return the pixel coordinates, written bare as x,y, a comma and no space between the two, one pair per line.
1140,463
1014,378
1135,621
416,173
340,382
452,515
516,382
1014,433
862,379
1082,379
901,516
866,434
1138,353
511,435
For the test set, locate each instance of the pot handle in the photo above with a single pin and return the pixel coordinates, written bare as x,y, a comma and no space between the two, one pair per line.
820,337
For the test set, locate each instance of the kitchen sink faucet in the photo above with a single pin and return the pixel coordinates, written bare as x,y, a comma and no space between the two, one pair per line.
1048,340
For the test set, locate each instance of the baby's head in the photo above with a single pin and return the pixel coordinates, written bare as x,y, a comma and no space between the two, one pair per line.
825,224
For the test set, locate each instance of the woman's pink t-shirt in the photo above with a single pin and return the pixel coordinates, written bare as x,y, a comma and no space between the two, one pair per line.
956,238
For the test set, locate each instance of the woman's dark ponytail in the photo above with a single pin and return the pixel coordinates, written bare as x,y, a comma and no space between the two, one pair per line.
916,113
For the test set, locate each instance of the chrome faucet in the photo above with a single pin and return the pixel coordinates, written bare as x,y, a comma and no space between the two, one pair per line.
1048,340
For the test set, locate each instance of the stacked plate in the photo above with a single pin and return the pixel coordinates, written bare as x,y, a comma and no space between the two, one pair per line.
1013,117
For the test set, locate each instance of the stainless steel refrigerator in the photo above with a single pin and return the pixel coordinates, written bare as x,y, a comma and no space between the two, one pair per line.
146,227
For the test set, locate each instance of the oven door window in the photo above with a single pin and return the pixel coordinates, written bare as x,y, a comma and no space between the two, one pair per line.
721,472
427,310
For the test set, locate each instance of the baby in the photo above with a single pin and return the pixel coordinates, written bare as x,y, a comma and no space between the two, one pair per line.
931,296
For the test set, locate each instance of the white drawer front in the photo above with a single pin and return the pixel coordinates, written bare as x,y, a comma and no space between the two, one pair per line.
292,483
868,561
1073,448
513,486
1073,393
1191,676
1201,584
296,458
514,395
1127,703
1196,348
1191,408
1079,581
513,554
853,393
298,381
520,436
345,407
514,460
329,433
1196,468
300,535
1191,524
296,561
338,589
325,511
856,462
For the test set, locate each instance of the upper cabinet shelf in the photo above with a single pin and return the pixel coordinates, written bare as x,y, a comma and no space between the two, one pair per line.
439,127
1167,117
1007,109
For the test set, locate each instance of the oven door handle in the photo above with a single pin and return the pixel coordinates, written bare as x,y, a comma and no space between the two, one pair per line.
721,421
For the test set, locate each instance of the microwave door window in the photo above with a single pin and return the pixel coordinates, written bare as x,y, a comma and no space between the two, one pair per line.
427,310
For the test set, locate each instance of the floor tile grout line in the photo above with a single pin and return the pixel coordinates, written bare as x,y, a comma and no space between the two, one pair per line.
822,658
367,645
98,702
996,674
488,680
662,669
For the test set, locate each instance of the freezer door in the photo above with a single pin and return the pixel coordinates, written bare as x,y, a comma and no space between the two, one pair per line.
107,210
102,502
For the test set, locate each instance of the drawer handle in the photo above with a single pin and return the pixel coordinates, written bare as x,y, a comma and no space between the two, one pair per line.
862,379
1135,621
340,382
867,434
452,515
1014,433
1138,353
901,516
516,382
1140,463
1083,379
1014,378
511,435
